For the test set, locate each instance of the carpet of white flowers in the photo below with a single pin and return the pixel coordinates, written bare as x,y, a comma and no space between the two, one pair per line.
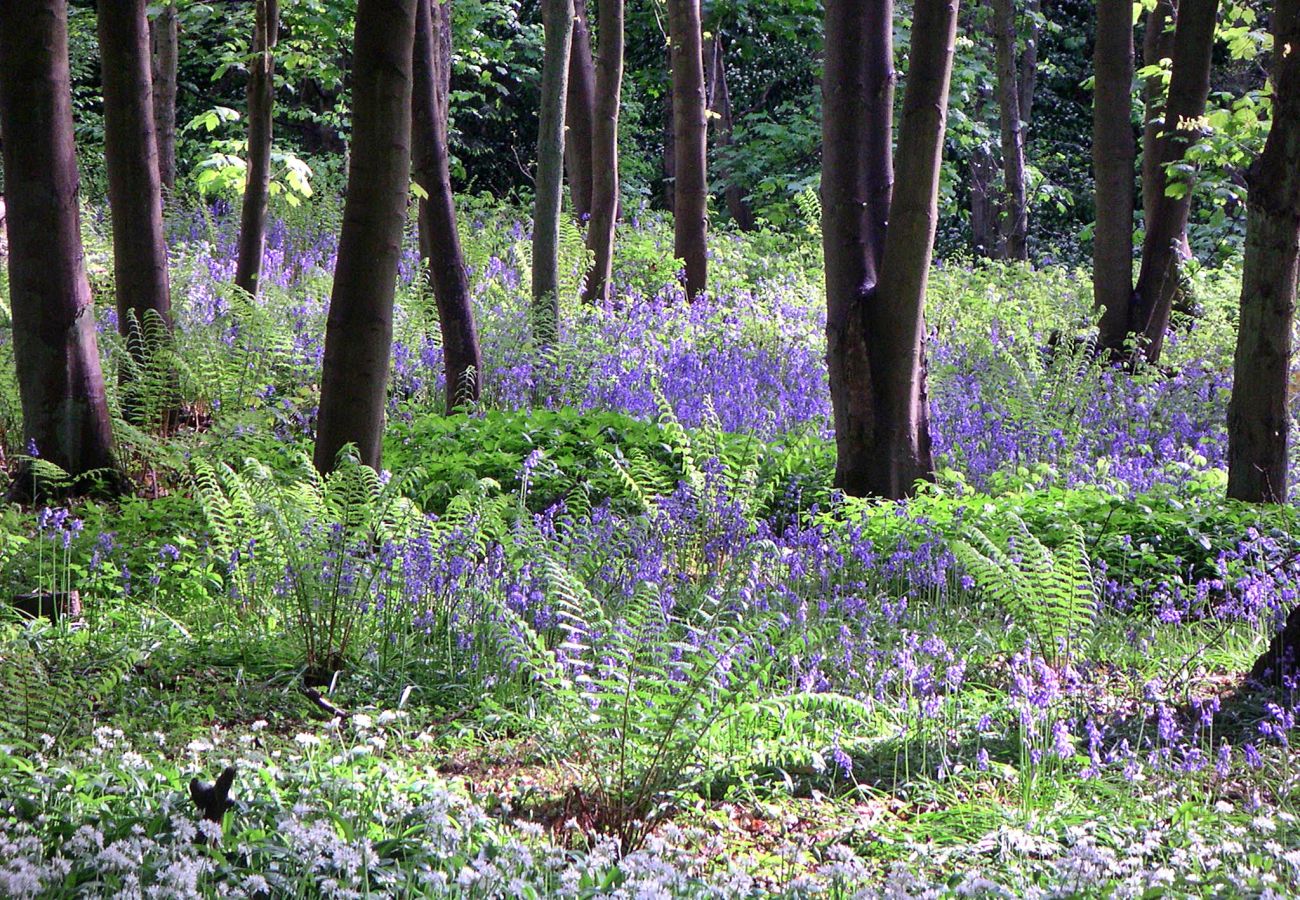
359,809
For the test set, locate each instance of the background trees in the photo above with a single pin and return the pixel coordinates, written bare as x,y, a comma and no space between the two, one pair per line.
690,144
131,160
261,102
1259,417
440,248
359,333
604,155
65,415
557,16
1113,155
878,238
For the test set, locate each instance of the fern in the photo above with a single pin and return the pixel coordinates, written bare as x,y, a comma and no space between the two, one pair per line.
1049,594
635,687
809,204
304,551
44,693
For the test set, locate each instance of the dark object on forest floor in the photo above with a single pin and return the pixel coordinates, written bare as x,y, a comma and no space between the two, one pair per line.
213,799
52,605
324,704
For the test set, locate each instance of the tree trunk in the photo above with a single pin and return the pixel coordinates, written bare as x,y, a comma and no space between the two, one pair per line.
163,33
65,414
439,238
1258,417
1113,155
898,365
670,144
359,329
1189,85
605,183
1015,215
719,99
983,189
557,21
878,241
1157,44
983,205
690,130
1028,66
261,107
580,114
857,183
131,161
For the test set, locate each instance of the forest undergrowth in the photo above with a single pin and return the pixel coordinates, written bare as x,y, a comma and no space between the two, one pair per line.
610,632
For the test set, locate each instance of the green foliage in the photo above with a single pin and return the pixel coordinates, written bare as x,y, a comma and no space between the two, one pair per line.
301,552
601,456
1050,593
48,686
650,684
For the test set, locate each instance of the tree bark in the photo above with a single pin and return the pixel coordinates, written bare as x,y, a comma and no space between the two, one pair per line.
580,114
690,131
983,181
719,100
65,414
1028,66
359,329
1157,45
1113,154
131,161
261,108
605,182
1015,221
1189,86
878,239
166,53
557,21
1258,414
670,143
899,366
439,237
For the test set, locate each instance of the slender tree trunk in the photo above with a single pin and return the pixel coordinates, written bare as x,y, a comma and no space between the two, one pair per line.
164,35
1258,415
719,97
1015,222
983,205
261,108
1157,45
1113,154
899,366
131,160
877,240
670,144
439,237
1028,66
65,414
580,114
1160,276
557,21
983,187
605,183
359,329
690,128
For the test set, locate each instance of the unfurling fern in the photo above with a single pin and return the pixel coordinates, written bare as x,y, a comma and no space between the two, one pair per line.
1049,594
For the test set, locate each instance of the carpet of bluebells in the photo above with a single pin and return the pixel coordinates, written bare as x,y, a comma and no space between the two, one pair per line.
812,696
